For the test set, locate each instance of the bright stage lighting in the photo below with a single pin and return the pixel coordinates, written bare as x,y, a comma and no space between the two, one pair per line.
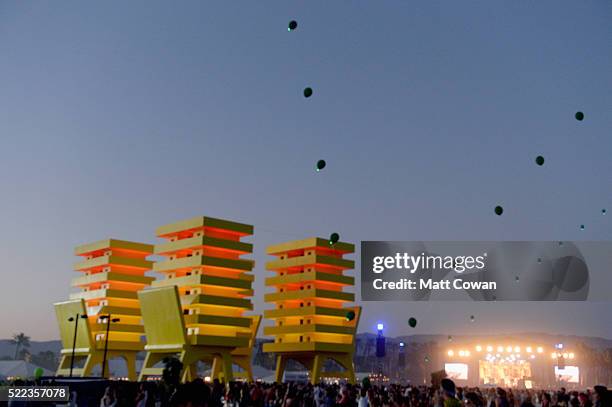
571,355
532,356
451,353
380,326
500,348
401,344
517,349
565,356
461,353
508,349
554,355
540,349
528,349
478,348
489,348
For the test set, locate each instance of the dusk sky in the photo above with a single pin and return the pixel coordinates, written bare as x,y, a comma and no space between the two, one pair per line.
117,118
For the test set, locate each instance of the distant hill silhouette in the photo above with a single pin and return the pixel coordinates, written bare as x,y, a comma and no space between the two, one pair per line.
7,349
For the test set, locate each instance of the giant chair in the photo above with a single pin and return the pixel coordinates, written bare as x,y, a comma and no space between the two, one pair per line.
311,322
167,337
78,343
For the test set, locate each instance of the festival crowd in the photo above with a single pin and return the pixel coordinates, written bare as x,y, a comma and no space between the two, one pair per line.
199,394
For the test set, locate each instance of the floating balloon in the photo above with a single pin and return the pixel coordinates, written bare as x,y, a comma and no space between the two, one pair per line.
334,238
499,210
450,338
292,25
320,165
426,359
581,227
517,279
38,372
603,211
472,318
539,260
350,315
412,322
307,92
539,160
579,116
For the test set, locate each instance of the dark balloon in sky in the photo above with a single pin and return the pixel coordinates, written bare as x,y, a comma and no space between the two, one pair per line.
334,238
499,210
292,25
412,322
539,160
579,116
321,164
307,92
350,315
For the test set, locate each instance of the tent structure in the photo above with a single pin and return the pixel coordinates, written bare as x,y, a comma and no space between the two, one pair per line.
19,368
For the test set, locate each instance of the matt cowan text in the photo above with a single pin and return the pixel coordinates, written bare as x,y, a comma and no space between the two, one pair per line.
430,284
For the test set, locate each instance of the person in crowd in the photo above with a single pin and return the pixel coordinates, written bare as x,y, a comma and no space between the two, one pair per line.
109,399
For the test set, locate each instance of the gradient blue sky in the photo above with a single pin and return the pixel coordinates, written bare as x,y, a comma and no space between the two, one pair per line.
119,117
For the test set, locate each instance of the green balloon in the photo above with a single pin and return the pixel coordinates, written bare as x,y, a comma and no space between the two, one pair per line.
38,372
579,116
334,238
320,165
539,160
292,25
307,92
350,315
412,322
499,210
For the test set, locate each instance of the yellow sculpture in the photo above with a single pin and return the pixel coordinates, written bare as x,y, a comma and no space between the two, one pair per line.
203,260
113,271
311,323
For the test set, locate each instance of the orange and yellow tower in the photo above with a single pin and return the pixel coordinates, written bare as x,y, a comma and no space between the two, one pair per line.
113,271
311,322
203,258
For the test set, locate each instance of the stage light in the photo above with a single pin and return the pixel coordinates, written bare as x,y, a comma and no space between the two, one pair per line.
508,349
500,348
380,327
461,353
565,356
401,344
571,355
489,348
451,353
529,350
467,353
559,346
554,355
498,355
517,349
478,348
532,356
540,349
